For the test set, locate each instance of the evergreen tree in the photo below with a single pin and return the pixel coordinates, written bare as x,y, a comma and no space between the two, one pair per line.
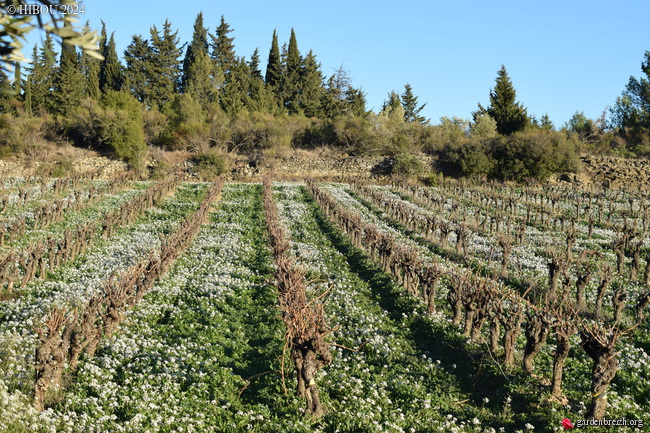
165,67
509,114
6,93
111,75
273,76
411,108
223,49
198,45
254,65
138,73
292,79
68,89
90,71
337,91
41,75
203,83
312,90
235,94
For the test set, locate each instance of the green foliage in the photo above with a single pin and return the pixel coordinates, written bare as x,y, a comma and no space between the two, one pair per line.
210,165
411,108
484,126
68,88
510,115
468,158
164,68
111,73
518,157
408,166
123,128
15,27
189,131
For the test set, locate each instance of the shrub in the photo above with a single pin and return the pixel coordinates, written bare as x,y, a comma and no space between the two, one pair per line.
407,165
21,135
61,168
209,165
468,158
123,128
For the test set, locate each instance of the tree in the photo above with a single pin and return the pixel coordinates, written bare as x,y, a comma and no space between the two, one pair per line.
292,80
165,67
632,108
312,90
90,70
509,114
203,84
111,74
411,108
223,49
138,63
585,128
68,87
198,45
41,76
274,68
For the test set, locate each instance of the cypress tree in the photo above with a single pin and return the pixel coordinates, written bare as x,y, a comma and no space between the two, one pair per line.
165,67
509,114
111,75
273,67
411,108
198,45
292,79
90,71
68,81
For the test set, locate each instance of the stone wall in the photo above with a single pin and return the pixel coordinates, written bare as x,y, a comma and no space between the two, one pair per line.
104,167
365,167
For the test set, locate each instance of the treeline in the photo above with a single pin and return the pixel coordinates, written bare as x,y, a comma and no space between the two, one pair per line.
204,97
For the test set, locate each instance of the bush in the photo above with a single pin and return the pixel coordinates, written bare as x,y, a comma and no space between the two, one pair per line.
520,156
407,166
21,135
123,127
209,165
61,168
115,125
468,158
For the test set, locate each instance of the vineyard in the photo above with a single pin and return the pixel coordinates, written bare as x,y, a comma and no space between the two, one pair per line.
172,306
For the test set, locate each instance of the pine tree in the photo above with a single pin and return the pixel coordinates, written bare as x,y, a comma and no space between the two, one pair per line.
632,108
198,45
411,108
273,76
111,75
68,88
509,114
165,66
137,73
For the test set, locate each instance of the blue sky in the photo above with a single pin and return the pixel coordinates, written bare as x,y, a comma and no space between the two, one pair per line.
562,56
